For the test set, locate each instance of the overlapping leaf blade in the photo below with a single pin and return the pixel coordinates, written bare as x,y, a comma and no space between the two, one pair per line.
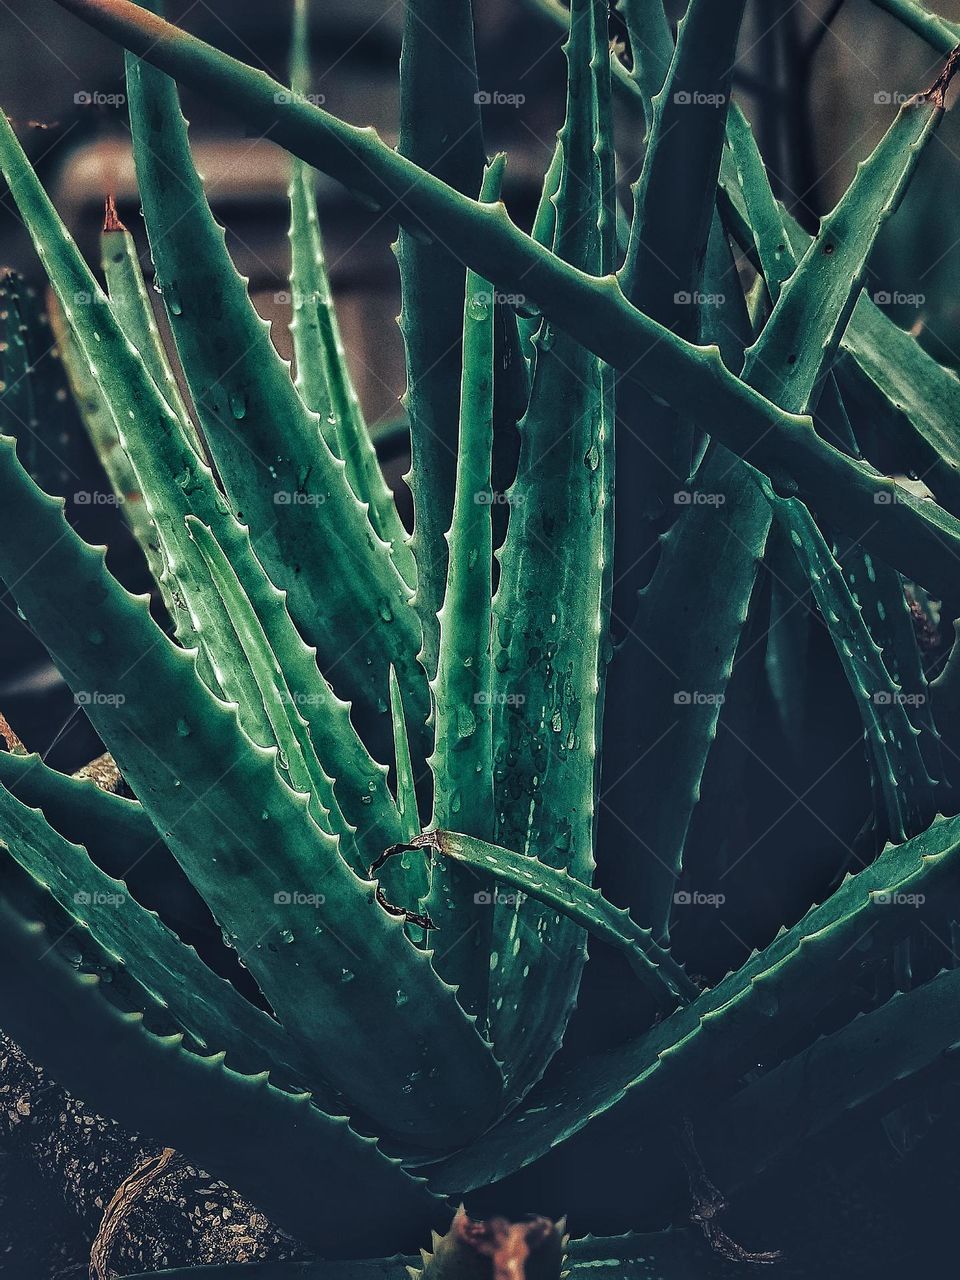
549,613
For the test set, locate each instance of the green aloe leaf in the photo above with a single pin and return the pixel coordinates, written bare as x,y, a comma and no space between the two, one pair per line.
651,48
130,301
441,130
79,809
359,782
100,1053
903,387
886,1053
907,395
788,363
159,444
939,33
406,782
281,478
868,621
578,902
199,1001
543,231
303,920
290,730
663,273
550,611
105,439
764,213
906,792
462,760
323,375
35,400
696,1056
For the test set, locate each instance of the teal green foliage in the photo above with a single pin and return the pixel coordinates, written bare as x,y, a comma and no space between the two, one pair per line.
414,779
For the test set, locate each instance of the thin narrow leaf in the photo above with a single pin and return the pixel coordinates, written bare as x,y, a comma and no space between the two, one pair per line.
651,48
549,612
290,730
406,787
462,759
771,241
441,131
906,791
105,438
323,376
130,301
662,275
580,903
282,480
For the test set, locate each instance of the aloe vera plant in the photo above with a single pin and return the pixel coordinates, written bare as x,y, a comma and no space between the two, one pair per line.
419,781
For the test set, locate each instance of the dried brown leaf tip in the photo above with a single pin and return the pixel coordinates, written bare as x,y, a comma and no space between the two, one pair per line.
111,219
9,741
937,93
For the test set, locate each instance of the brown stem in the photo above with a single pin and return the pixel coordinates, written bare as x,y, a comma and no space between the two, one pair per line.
709,1202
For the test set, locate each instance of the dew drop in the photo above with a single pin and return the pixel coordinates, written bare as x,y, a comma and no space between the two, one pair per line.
466,722
478,306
